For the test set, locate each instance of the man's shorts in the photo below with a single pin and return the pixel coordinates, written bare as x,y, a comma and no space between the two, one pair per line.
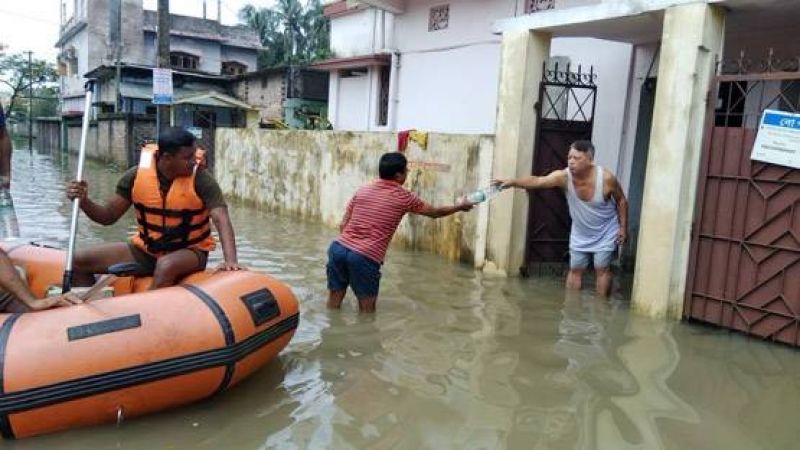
349,268
148,261
600,260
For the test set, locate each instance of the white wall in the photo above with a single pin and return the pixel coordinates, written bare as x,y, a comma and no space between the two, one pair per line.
352,108
611,61
447,80
645,65
352,34
452,91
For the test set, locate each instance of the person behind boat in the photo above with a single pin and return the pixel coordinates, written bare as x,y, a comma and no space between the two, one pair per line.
598,208
173,204
5,152
370,220
16,297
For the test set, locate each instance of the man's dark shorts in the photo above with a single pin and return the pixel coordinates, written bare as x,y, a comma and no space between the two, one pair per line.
350,268
148,261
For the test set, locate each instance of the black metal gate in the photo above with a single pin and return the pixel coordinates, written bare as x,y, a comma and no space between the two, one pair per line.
564,114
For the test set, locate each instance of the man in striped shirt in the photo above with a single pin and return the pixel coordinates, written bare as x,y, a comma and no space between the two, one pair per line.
370,221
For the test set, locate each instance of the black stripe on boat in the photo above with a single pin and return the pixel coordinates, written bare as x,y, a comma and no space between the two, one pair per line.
28,399
102,327
5,426
224,323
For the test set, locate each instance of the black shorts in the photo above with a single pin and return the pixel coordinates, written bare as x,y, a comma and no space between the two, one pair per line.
148,261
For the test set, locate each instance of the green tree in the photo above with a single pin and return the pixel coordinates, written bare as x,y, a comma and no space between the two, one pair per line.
290,32
15,73
319,32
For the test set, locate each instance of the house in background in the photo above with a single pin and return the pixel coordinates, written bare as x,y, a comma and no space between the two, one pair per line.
104,38
673,102
294,97
435,66
114,43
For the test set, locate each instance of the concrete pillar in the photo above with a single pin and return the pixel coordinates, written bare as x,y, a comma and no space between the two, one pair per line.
333,97
692,39
523,56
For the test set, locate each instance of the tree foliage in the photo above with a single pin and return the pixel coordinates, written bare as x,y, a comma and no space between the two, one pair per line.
290,32
17,76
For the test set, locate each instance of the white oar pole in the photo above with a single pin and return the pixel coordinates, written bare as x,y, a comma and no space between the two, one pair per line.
73,226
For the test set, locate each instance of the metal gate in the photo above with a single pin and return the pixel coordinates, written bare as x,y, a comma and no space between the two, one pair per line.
141,130
564,114
207,122
744,272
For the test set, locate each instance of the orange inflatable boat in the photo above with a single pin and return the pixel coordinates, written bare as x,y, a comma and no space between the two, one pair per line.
137,352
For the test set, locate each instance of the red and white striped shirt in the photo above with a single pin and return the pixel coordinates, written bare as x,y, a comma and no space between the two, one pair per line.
373,215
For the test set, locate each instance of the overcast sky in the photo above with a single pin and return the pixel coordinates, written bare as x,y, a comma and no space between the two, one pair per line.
33,24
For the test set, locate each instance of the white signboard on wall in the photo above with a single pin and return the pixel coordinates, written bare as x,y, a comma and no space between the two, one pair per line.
778,139
162,86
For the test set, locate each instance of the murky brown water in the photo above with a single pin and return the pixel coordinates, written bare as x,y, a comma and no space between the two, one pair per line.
452,359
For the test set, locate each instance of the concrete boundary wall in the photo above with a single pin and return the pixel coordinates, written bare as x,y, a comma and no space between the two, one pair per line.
313,174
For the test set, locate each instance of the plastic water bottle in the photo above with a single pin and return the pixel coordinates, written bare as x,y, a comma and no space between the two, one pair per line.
482,195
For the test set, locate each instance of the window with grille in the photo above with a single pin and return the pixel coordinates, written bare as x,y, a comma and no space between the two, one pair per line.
233,68
532,6
439,18
181,60
383,96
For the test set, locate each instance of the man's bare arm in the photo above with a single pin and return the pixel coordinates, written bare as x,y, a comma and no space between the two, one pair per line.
556,178
622,206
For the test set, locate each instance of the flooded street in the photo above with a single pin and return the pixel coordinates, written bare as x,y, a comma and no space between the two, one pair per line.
452,359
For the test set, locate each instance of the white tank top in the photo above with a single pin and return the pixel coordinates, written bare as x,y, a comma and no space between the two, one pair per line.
594,223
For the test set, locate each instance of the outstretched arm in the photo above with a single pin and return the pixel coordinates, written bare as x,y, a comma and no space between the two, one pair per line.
556,178
443,211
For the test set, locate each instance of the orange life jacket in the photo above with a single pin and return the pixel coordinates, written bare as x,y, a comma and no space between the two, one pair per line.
168,224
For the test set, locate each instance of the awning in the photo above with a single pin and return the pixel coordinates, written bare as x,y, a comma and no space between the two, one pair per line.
212,98
145,91
186,97
376,59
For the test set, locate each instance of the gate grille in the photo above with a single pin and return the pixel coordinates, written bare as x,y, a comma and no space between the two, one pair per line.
744,272
564,114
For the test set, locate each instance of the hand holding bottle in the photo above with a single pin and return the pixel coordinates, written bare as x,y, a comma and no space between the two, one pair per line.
482,195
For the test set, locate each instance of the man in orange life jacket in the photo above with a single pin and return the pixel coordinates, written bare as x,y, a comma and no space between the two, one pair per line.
173,204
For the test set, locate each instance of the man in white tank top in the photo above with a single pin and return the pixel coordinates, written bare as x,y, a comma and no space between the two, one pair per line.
598,208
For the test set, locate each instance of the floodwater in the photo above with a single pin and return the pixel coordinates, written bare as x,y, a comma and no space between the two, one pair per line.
452,359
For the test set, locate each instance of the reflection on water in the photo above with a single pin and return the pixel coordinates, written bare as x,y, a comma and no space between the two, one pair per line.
452,359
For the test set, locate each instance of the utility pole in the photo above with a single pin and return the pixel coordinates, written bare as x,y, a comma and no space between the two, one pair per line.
163,111
116,38
30,101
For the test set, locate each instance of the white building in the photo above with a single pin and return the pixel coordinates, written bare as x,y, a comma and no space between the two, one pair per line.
681,87
90,39
394,69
